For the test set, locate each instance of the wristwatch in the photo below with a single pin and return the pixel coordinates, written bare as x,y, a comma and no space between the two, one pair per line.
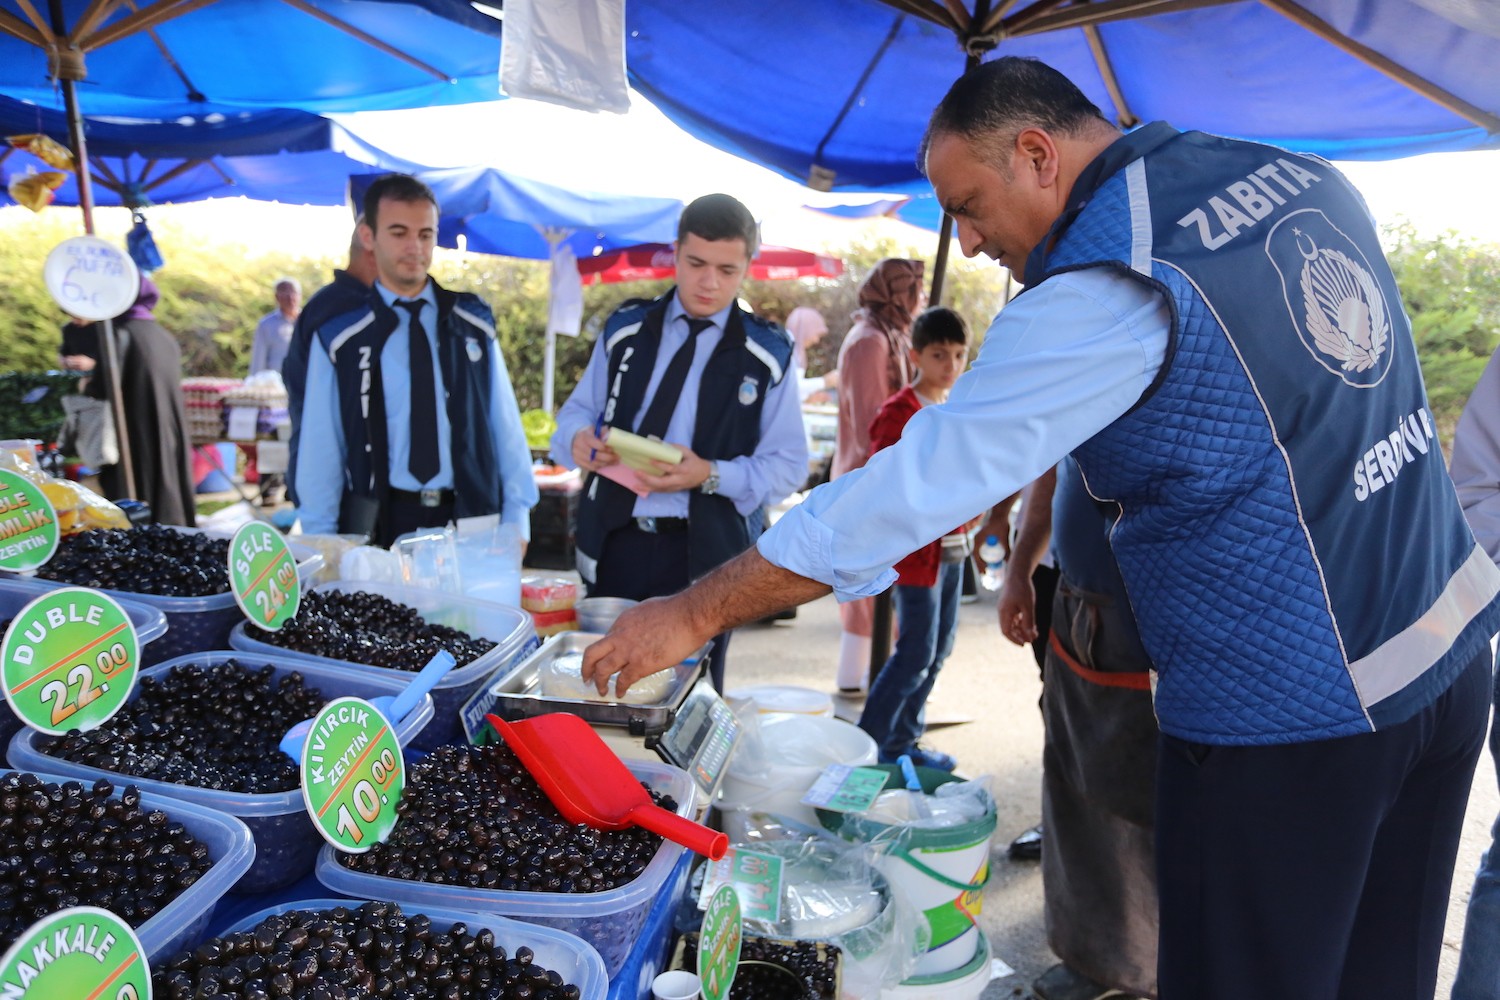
710,485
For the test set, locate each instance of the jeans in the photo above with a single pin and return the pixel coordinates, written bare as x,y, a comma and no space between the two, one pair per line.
1479,960
927,619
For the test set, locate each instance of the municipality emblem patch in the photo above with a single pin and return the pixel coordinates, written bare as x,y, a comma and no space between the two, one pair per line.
1332,296
749,390
475,351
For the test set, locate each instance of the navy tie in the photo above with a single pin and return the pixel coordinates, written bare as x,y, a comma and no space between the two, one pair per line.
423,460
659,413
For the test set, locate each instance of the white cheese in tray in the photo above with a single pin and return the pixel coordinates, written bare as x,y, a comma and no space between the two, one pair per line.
562,677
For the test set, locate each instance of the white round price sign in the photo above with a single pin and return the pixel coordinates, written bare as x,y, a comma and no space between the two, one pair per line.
91,278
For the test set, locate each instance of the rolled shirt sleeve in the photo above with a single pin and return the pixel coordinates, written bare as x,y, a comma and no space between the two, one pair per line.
1058,365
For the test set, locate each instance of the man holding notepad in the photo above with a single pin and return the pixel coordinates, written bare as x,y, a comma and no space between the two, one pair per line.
685,421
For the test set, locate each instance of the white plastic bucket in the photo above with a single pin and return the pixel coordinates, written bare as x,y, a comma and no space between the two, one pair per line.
797,748
770,698
966,983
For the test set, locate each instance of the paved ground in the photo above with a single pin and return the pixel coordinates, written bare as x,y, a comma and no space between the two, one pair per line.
996,684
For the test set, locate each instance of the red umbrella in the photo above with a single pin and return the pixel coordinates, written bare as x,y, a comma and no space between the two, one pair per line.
655,261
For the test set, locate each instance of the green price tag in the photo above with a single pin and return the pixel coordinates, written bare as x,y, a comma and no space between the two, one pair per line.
842,788
352,775
756,877
263,575
81,953
719,944
69,660
28,524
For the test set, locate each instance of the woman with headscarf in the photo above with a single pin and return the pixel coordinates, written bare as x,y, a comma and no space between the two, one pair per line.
807,327
155,420
873,366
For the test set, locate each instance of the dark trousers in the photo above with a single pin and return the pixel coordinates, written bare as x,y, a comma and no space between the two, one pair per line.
1315,871
637,565
402,516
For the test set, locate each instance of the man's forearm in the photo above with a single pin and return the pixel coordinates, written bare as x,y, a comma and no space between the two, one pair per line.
1036,523
746,589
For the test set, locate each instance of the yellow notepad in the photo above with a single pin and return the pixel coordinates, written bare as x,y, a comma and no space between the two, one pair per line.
639,452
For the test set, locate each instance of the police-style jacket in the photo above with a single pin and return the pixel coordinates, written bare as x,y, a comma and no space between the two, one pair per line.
1293,547
751,349
465,336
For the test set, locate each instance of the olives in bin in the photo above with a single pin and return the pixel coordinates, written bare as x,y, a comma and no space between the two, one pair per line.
151,559
362,627
217,727
64,845
474,816
371,949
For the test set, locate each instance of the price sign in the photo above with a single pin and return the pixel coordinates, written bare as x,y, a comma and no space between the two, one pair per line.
352,775
69,660
81,953
719,944
263,575
91,278
842,788
28,524
755,877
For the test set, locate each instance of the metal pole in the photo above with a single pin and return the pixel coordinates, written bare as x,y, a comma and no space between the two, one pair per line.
549,371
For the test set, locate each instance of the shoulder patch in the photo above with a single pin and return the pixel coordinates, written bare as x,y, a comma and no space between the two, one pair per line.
770,343
473,310
335,333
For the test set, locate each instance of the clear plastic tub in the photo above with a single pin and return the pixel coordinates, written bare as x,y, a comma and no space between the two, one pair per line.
285,842
16,593
197,623
509,627
610,921
181,921
566,954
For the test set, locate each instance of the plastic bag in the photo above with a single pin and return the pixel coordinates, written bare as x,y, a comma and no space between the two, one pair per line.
44,148
35,191
952,804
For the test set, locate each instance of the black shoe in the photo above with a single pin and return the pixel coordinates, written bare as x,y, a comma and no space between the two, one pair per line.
1027,847
1062,983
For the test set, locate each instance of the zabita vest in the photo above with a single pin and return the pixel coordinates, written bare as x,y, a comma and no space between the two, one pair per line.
1293,548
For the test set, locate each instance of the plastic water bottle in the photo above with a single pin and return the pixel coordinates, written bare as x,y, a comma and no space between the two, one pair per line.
994,563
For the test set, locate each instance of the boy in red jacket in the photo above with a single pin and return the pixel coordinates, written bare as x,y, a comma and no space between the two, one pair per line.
930,579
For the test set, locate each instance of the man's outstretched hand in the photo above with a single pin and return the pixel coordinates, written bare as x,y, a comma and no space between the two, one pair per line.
654,635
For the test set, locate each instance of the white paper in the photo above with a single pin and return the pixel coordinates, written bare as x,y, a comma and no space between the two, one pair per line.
565,305
242,422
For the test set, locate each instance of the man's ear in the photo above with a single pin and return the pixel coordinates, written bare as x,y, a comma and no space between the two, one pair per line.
366,237
1036,151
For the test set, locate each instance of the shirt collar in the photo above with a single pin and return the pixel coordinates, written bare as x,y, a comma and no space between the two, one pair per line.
1115,157
674,310
427,295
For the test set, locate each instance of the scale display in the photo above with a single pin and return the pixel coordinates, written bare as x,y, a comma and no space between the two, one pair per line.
702,737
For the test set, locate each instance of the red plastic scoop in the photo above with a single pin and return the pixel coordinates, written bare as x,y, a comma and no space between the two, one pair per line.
589,784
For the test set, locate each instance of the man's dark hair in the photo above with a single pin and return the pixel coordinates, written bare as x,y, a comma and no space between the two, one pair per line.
938,325
991,104
720,217
396,187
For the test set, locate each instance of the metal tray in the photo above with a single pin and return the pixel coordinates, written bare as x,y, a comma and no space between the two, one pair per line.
518,693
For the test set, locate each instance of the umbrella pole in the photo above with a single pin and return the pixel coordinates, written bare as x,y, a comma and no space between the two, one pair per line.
69,71
549,369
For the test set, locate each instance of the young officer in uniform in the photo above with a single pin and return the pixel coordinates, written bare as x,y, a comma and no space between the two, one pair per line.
694,370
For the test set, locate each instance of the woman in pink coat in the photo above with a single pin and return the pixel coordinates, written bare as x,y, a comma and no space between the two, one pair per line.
873,366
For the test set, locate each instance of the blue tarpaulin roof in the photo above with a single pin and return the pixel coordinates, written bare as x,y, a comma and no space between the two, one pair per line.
848,85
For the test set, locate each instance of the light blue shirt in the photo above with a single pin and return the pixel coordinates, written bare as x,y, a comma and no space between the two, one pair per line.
776,469
1058,365
320,456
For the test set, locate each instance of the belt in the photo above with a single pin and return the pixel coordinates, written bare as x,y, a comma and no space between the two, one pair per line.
661,525
423,498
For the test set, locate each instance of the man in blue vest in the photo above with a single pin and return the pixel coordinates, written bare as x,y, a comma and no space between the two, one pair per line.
409,420
694,370
1209,327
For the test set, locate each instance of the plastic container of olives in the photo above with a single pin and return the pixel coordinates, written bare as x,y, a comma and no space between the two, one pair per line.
566,954
509,627
181,922
286,844
15,594
197,623
610,921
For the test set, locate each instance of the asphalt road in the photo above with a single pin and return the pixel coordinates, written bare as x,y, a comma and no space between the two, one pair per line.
996,685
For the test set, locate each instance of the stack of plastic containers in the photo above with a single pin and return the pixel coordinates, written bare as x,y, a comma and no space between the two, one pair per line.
610,921
181,921
197,623
286,844
566,954
510,628
16,593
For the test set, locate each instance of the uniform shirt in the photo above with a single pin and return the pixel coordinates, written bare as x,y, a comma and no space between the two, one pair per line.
320,480
273,335
1058,365
776,469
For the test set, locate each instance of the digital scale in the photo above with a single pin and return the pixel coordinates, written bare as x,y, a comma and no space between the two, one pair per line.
690,727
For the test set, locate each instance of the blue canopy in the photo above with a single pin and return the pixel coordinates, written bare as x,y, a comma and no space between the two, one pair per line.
848,85
502,214
273,155
162,58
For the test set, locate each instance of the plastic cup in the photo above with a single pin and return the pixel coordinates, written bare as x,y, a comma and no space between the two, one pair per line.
676,985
